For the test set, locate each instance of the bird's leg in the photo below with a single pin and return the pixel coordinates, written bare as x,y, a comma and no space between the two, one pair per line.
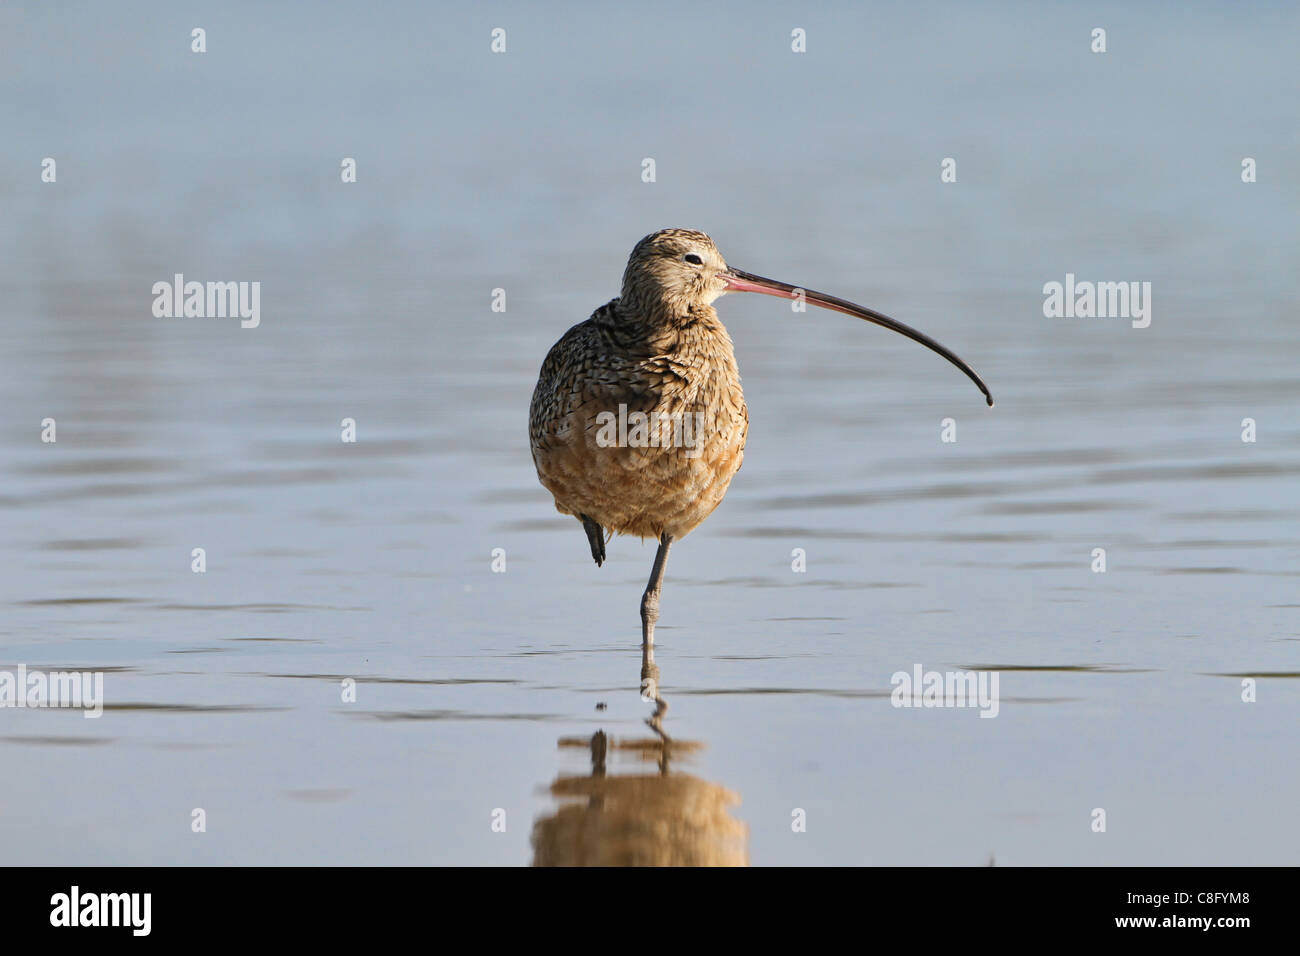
650,680
650,694
650,600
596,538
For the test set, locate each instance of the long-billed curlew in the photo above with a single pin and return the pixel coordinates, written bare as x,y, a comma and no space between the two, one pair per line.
638,422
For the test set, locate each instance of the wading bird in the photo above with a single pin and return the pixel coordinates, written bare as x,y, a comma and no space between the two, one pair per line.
638,422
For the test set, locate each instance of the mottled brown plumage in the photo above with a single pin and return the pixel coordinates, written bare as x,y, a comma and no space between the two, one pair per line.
638,423
658,349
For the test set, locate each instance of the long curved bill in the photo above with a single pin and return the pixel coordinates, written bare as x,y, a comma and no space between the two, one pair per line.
738,281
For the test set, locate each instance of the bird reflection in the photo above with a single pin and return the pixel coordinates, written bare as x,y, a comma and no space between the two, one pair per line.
662,818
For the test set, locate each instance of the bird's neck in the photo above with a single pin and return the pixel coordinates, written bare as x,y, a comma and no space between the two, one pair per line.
657,317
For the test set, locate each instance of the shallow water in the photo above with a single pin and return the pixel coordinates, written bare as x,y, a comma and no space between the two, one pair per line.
478,692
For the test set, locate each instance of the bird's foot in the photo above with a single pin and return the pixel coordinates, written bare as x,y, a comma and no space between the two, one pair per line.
596,538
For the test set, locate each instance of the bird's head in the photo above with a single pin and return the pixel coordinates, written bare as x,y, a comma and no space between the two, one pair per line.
674,270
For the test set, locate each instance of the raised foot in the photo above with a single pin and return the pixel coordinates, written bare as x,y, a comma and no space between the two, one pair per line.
596,538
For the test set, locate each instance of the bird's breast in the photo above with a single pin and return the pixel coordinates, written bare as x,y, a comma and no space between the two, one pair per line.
642,438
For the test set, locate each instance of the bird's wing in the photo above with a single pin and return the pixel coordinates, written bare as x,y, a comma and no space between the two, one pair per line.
587,372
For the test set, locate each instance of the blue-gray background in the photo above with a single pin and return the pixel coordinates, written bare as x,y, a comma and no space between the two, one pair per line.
523,171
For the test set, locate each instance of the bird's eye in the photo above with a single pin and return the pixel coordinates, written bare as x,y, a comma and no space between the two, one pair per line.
693,259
